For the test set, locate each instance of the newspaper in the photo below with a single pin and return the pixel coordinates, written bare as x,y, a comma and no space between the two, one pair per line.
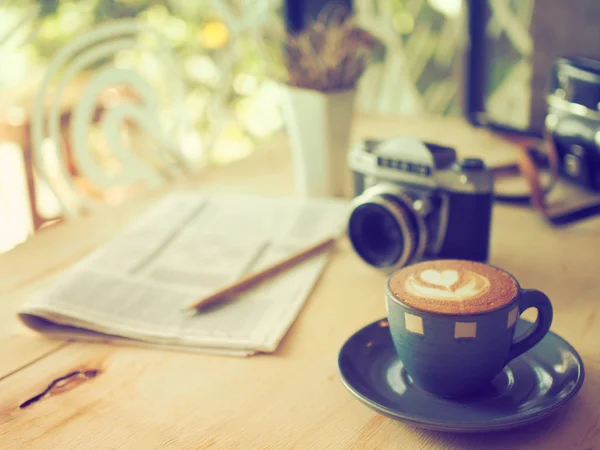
133,289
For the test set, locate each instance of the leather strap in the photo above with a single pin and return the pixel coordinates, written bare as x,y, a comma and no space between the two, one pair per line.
531,161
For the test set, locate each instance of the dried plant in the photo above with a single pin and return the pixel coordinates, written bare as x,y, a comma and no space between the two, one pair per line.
329,54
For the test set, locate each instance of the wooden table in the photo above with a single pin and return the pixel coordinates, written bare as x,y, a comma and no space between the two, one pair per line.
145,399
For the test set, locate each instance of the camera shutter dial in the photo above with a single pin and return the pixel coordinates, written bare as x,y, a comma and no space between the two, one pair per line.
471,164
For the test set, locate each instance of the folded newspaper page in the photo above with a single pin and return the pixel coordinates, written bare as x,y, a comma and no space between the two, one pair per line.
133,289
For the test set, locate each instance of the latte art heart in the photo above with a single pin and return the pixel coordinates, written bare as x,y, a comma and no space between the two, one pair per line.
444,278
446,285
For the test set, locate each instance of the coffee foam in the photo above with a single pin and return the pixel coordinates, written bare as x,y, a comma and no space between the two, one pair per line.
453,286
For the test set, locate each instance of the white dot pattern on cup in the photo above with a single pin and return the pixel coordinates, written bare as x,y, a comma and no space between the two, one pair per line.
512,317
413,323
465,330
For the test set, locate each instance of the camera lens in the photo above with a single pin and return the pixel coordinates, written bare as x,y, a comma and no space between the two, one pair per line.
382,232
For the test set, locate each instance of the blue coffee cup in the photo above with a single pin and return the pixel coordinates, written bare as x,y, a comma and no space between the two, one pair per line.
454,355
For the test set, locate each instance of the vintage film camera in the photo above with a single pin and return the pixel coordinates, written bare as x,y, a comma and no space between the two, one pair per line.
415,200
573,119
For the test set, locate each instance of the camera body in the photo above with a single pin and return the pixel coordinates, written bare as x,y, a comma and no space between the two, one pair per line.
573,119
415,200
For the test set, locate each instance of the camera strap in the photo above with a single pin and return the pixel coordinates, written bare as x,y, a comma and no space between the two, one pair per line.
535,156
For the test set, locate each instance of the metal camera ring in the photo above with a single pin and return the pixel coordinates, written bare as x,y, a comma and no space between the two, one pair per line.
406,228
377,194
423,231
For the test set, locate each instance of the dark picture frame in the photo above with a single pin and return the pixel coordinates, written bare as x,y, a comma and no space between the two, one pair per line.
555,28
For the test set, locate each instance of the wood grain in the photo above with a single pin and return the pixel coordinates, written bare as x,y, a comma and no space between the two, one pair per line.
293,398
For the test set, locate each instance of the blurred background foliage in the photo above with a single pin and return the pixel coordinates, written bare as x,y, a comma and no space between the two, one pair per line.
226,81
228,52
229,55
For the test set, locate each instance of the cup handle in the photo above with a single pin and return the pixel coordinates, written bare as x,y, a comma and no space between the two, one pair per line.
531,298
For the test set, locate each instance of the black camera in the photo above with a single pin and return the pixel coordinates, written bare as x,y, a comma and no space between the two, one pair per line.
415,200
573,119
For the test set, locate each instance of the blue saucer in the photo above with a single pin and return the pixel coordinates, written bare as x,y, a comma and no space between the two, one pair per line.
530,387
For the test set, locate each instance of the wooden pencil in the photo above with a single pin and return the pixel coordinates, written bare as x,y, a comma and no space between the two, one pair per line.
229,292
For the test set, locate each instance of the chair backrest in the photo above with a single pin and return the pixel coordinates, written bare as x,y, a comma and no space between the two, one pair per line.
126,104
93,111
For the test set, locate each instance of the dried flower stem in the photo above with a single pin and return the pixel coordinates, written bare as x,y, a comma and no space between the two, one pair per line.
330,54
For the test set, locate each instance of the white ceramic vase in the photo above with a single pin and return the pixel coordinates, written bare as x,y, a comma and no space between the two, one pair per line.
319,126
